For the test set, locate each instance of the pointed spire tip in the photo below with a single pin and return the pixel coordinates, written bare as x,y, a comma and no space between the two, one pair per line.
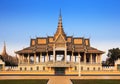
60,13
4,49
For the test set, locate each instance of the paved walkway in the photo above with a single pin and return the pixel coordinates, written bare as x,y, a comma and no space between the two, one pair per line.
59,80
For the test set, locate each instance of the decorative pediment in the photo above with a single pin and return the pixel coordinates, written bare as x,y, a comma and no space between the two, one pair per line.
60,39
60,42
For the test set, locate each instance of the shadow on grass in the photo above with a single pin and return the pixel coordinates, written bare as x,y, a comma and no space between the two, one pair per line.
30,81
97,81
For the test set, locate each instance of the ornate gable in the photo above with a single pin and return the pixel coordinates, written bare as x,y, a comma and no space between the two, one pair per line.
60,39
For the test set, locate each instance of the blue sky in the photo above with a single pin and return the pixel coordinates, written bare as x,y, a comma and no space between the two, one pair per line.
21,20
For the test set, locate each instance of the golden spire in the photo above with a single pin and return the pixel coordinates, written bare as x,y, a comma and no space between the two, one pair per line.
60,20
4,53
60,29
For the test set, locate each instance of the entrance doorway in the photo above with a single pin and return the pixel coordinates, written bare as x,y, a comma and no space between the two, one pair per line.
59,71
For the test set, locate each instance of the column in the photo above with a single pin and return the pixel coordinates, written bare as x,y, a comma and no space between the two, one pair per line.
47,57
40,56
19,59
72,57
100,58
54,53
75,57
91,58
28,58
23,59
79,56
34,58
44,56
96,58
84,57
65,55
79,69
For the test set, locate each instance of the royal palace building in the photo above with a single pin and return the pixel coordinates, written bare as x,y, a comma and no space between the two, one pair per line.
60,54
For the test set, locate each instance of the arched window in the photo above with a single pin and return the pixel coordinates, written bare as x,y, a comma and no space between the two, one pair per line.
25,68
20,68
82,68
98,68
75,68
37,68
94,68
88,68
43,68
31,68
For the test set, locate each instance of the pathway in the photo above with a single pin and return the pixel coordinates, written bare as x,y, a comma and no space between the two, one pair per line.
59,80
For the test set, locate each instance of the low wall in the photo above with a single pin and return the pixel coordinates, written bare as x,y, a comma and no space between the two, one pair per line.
83,73
25,73
9,68
108,68
54,77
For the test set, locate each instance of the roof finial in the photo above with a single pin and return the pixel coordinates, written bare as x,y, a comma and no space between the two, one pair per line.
60,16
4,53
60,13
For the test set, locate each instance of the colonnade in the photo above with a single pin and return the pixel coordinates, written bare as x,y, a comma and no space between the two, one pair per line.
40,57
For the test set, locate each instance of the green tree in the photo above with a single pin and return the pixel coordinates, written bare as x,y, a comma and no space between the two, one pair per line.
113,55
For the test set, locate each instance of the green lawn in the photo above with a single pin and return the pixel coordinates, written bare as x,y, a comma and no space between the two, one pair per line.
97,81
32,81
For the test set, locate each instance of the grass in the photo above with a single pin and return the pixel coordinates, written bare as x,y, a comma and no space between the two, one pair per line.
97,81
41,81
